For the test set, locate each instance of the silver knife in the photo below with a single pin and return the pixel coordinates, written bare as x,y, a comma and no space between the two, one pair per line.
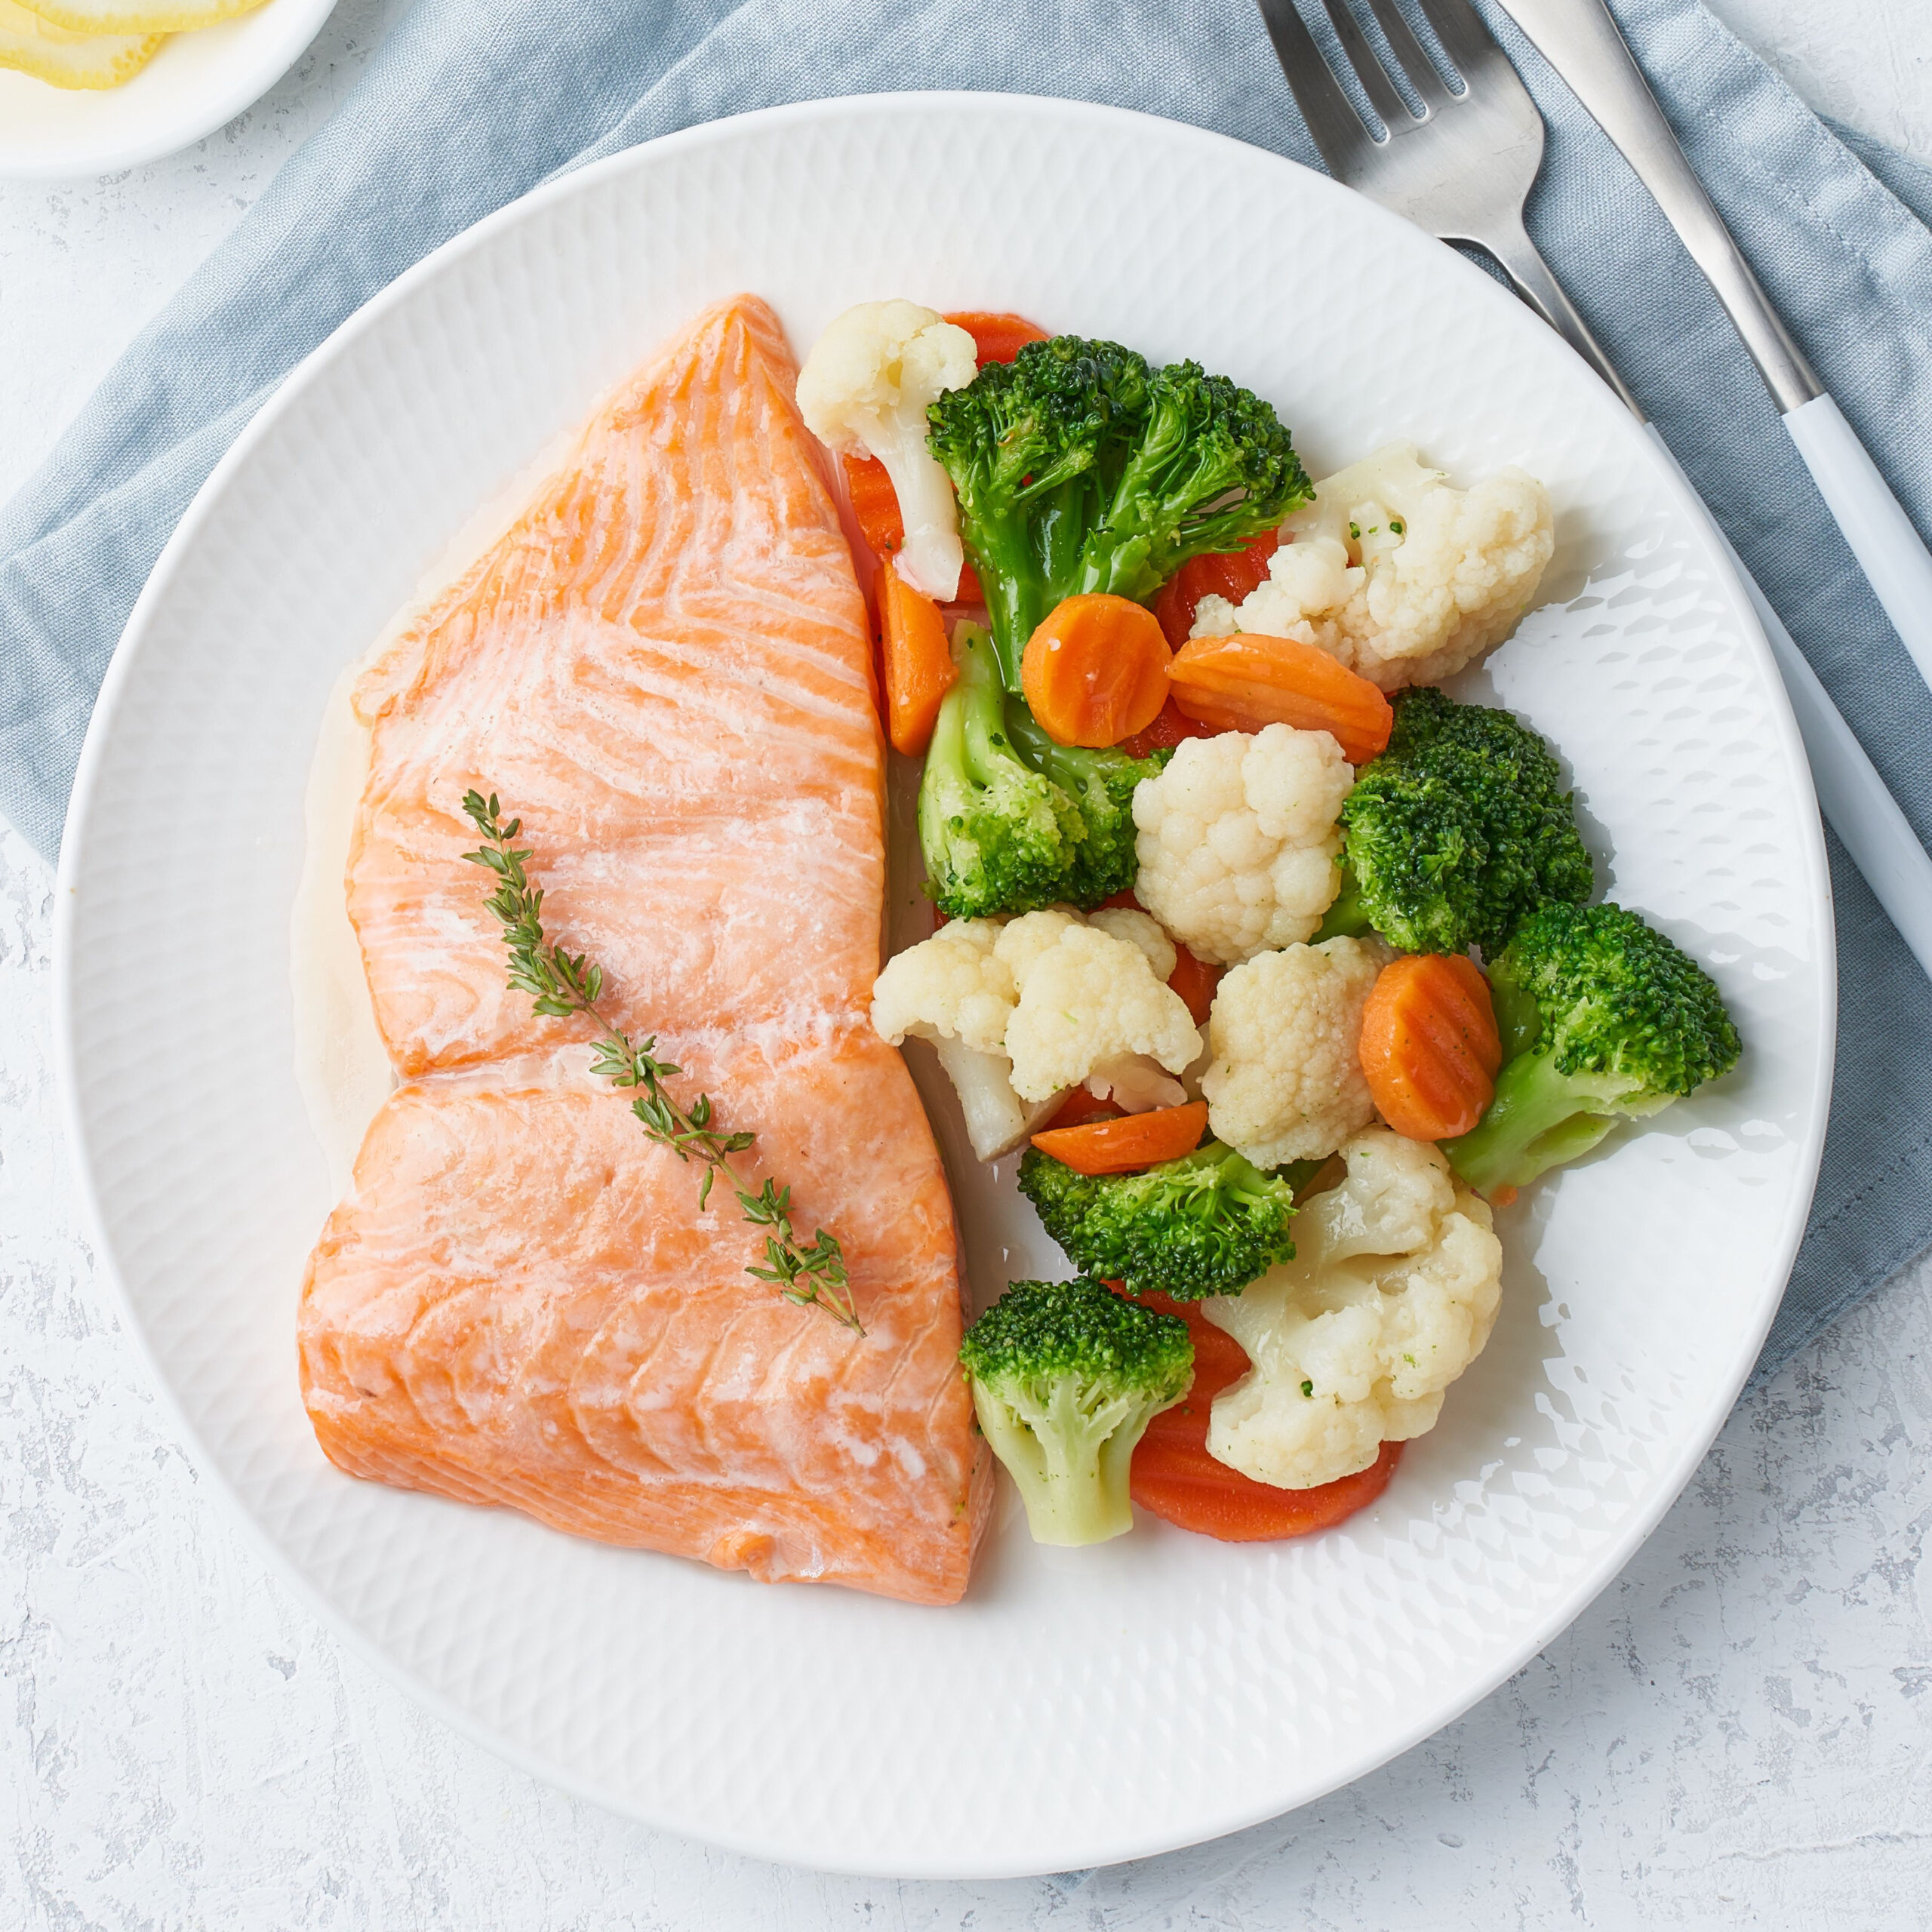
1582,41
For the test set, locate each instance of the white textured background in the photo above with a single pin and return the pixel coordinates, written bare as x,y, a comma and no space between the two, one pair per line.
1733,1734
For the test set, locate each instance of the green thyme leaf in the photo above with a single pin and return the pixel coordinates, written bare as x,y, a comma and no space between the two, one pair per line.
810,1274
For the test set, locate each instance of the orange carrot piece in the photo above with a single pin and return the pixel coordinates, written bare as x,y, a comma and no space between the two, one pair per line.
875,504
1234,574
1080,1107
1134,1141
1244,682
1429,1046
1194,980
1173,1477
918,666
998,338
1095,670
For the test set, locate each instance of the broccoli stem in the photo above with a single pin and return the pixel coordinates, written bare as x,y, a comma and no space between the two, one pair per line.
1069,1449
1539,1119
1020,557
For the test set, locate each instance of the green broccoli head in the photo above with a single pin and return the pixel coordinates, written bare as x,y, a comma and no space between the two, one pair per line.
1077,468
1211,467
1206,1224
1460,829
1601,1019
1066,1377
1009,821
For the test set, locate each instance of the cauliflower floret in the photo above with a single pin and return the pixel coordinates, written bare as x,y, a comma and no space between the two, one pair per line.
1086,998
1394,571
1392,1294
955,991
864,391
1285,1082
1140,929
1022,1010
1238,843
953,987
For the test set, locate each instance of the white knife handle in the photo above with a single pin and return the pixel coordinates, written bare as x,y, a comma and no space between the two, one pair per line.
1851,795
1889,550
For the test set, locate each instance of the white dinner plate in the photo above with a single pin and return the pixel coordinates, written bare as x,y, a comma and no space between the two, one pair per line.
196,83
1080,1706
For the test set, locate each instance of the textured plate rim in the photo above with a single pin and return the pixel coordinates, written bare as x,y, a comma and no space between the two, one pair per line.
1617,1548
197,115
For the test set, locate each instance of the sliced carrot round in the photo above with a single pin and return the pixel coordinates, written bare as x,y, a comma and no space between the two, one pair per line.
1246,681
1234,574
1095,670
1174,1478
1429,1046
1134,1141
997,337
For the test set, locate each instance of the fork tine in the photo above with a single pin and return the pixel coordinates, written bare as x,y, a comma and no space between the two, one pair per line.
1333,125
1360,54
1464,38
1413,57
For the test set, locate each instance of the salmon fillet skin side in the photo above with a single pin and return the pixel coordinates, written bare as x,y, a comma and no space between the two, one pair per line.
664,667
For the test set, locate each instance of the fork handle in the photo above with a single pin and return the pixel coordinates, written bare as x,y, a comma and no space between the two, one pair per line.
1504,237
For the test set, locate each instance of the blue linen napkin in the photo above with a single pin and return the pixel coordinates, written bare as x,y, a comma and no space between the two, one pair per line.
471,102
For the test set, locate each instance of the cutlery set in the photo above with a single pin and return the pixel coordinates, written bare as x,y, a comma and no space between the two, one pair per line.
1459,161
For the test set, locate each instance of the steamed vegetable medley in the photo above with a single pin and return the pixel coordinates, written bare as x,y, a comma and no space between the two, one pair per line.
1281,964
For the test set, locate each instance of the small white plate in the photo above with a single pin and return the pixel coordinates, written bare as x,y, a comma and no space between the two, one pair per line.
194,83
1080,1706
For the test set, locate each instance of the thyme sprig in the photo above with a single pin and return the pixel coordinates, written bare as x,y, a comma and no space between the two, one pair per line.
811,1273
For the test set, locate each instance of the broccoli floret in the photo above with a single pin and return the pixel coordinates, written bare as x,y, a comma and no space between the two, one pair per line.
1066,1376
1601,1019
1206,1224
1460,829
1009,821
1078,468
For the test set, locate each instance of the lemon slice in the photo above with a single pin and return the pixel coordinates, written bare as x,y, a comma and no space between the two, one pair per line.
49,52
138,16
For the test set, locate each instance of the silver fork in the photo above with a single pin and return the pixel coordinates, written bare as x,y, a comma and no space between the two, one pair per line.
1462,169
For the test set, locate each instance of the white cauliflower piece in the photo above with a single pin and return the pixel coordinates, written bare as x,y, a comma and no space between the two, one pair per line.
1086,998
954,990
864,391
997,1120
1238,845
1392,1294
1403,577
1140,929
1285,1080
952,986
1020,1011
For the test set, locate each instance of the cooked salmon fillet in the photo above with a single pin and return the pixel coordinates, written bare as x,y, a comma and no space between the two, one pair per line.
664,668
